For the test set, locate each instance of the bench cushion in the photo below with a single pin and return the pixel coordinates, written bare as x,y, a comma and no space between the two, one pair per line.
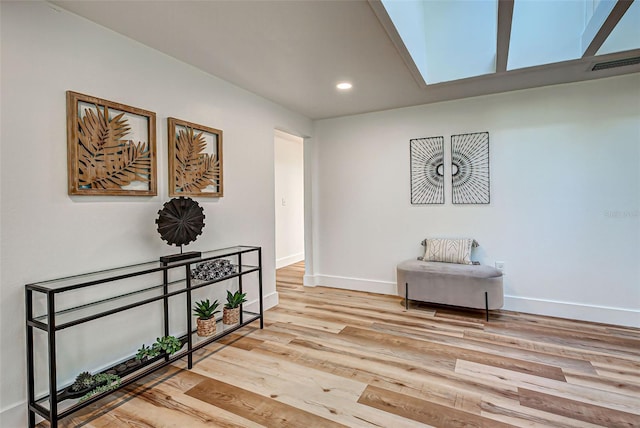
451,284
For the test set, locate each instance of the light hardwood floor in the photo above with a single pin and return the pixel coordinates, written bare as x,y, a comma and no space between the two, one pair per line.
331,357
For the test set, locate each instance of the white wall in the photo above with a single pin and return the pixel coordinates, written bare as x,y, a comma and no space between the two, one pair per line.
289,198
565,197
47,234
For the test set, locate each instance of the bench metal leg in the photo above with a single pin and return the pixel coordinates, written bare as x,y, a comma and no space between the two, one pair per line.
406,296
486,304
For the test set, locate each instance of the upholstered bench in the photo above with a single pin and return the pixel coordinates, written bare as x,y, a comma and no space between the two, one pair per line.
455,284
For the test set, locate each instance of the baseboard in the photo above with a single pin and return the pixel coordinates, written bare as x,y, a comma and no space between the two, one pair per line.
269,301
593,313
289,260
15,416
358,284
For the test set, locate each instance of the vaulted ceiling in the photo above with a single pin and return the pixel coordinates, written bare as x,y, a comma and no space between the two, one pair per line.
295,52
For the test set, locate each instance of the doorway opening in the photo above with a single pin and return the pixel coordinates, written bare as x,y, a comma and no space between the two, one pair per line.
289,198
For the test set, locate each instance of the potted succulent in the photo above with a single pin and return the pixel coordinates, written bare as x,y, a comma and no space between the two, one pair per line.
103,382
145,353
231,312
82,384
86,384
206,311
164,345
167,345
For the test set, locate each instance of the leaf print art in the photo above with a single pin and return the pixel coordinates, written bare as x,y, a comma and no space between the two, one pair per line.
195,159
195,170
111,147
105,159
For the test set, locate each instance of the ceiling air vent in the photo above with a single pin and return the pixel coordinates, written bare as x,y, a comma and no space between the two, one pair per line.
616,63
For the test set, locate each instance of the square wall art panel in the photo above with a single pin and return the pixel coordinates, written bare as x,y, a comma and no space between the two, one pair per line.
195,159
111,148
470,168
427,170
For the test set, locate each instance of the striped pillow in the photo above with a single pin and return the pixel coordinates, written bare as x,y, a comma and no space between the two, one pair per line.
448,250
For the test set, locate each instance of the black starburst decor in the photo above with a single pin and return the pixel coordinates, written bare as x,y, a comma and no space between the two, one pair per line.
427,170
470,168
180,222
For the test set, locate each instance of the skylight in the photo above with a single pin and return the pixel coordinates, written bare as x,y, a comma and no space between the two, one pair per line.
626,35
448,40
544,32
457,39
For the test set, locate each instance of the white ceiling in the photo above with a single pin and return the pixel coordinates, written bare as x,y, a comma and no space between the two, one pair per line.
294,52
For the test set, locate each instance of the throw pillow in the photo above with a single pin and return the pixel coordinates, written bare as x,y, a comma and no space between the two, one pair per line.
449,250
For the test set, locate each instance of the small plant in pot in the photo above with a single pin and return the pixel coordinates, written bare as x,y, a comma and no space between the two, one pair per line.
231,312
103,382
146,352
167,345
206,313
83,383
164,345
86,385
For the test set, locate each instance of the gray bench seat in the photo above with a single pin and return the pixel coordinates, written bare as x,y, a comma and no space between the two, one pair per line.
470,286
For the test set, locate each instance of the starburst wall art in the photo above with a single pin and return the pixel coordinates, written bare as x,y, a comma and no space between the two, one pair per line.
470,168
111,147
427,170
195,159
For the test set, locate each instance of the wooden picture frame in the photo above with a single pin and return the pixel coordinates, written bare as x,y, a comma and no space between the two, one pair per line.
111,148
195,159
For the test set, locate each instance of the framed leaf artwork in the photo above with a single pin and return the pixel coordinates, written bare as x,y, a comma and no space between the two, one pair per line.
111,148
195,159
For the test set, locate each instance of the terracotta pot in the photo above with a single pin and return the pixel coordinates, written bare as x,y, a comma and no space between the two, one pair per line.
206,327
231,316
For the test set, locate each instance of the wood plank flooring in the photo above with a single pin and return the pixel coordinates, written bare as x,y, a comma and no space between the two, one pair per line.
336,358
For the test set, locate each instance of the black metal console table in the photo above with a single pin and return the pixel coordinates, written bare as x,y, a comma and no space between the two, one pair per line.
151,282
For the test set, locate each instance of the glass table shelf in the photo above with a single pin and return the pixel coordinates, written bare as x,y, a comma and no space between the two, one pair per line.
110,275
104,307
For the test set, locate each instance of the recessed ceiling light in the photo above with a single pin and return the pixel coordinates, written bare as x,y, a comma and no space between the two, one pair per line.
344,86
